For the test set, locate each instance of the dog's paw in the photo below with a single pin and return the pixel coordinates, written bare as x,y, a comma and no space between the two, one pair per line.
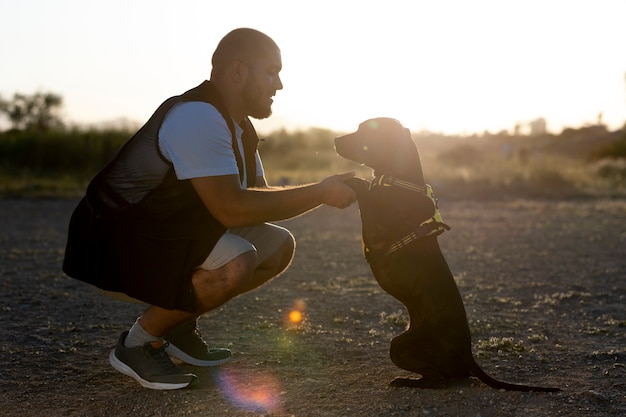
359,185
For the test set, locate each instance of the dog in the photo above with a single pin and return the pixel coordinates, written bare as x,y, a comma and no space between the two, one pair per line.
400,224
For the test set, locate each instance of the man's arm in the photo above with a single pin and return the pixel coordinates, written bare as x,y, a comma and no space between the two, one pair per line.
234,206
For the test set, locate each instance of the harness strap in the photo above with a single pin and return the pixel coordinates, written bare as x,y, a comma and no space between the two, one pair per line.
431,227
387,180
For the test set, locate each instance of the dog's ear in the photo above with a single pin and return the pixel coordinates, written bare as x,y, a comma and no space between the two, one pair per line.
406,161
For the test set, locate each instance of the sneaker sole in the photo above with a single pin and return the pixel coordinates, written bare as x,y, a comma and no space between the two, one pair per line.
172,350
120,366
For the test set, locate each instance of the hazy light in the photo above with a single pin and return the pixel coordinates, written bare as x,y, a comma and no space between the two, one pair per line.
295,316
255,391
296,313
451,66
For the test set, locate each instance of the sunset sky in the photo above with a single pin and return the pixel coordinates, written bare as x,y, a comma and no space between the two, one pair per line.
450,66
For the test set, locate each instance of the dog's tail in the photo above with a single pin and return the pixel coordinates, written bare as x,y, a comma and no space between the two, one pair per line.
476,371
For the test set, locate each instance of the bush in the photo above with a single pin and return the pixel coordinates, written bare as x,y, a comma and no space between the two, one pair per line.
478,167
612,169
615,150
58,152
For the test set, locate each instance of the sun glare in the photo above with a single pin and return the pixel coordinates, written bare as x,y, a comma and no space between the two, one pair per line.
295,316
253,391
296,313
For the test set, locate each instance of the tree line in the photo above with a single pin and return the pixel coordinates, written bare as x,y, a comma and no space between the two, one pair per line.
39,111
39,141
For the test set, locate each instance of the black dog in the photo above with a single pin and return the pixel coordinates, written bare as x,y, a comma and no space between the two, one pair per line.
400,224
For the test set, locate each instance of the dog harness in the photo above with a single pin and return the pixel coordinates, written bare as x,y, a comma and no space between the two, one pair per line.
434,226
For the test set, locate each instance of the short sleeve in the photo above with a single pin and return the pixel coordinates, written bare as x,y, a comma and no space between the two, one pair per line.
196,139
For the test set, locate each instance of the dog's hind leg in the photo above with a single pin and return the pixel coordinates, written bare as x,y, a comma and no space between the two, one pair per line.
413,353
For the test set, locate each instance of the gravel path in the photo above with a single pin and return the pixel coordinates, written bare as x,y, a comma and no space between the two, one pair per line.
544,284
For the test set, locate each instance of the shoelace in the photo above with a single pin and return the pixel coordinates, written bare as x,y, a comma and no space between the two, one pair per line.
196,332
161,357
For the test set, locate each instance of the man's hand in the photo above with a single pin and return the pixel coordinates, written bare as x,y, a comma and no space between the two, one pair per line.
336,192
234,206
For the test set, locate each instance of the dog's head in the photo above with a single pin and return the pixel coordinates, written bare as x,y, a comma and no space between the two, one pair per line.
384,145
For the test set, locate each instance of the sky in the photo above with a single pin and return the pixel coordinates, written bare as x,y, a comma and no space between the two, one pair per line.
448,66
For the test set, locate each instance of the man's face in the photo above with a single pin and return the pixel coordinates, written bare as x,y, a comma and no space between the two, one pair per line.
261,84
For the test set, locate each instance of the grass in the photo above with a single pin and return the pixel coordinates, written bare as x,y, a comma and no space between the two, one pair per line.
549,177
479,167
25,184
501,344
398,319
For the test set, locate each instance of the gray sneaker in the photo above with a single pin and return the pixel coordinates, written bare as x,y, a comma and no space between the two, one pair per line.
149,365
185,343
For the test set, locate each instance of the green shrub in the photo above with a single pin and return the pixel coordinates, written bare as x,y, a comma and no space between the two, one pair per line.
53,153
615,150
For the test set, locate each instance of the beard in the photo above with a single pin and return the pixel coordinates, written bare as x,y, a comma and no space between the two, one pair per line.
258,104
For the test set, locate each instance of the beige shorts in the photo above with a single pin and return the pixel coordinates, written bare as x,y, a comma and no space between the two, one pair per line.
264,238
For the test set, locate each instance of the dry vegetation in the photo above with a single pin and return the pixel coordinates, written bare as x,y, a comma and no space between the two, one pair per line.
588,162
477,167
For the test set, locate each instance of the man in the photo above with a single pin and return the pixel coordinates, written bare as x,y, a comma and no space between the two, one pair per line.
178,218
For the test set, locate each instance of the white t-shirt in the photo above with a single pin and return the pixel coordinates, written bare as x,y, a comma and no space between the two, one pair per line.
195,138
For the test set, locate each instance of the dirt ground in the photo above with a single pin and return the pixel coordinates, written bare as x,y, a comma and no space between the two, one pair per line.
544,285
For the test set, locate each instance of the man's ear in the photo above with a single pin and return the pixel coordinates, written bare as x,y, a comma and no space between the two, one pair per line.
238,71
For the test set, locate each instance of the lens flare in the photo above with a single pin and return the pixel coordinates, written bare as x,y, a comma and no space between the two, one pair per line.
253,391
296,313
295,316
373,124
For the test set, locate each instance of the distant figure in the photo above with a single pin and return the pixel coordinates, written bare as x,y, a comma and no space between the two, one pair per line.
178,218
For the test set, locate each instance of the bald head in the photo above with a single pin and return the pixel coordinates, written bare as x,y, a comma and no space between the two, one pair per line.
246,67
244,44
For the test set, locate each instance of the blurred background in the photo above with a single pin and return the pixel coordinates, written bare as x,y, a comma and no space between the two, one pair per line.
505,99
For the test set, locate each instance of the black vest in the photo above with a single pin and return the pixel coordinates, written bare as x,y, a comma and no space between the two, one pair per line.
146,239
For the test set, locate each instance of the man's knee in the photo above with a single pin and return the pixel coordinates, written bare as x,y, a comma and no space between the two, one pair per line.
282,257
289,246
